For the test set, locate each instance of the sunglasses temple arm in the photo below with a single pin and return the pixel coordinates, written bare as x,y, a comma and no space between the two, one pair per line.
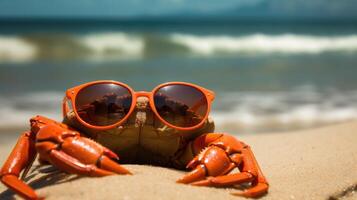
65,108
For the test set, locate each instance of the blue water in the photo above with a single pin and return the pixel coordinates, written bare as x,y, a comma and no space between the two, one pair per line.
267,75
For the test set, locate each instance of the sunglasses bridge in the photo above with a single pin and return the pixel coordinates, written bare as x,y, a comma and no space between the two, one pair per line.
142,94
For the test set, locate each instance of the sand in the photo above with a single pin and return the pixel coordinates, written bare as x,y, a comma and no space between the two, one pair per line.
309,164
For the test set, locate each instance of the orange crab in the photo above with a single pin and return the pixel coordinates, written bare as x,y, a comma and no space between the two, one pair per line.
169,126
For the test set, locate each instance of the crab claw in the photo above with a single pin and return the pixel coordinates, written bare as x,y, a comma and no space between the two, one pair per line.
220,155
212,161
63,147
66,149
86,157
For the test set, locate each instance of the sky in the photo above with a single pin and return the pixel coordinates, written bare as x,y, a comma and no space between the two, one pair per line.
158,8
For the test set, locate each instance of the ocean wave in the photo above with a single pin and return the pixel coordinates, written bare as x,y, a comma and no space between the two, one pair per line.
122,45
116,44
16,49
262,43
68,47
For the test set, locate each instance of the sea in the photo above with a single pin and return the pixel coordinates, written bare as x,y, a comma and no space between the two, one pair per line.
268,76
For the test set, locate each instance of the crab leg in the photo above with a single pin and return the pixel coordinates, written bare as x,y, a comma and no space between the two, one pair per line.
20,158
259,185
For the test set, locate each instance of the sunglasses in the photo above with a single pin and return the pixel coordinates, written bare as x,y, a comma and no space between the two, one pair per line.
105,104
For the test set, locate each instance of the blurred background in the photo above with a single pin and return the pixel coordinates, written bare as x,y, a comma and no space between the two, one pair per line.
275,65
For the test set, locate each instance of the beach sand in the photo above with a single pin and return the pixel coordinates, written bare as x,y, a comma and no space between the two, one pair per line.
309,164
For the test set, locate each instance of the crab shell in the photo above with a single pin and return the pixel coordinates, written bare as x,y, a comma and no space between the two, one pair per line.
143,138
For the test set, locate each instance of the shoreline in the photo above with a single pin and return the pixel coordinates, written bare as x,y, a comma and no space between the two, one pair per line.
307,164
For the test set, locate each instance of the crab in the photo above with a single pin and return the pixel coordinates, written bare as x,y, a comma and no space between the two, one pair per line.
142,139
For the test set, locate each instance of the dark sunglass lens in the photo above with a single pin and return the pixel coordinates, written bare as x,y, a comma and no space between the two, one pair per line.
103,104
181,105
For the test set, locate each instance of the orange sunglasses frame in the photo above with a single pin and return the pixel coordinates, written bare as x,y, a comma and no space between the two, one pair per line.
71,95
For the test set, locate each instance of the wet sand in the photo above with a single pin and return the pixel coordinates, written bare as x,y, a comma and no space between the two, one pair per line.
309,164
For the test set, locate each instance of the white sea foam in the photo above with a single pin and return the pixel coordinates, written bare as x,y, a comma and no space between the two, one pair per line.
16,111
116,44
16,49
263,43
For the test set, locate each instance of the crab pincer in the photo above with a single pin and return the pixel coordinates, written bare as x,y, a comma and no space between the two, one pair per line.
61,146
214,164
70,152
